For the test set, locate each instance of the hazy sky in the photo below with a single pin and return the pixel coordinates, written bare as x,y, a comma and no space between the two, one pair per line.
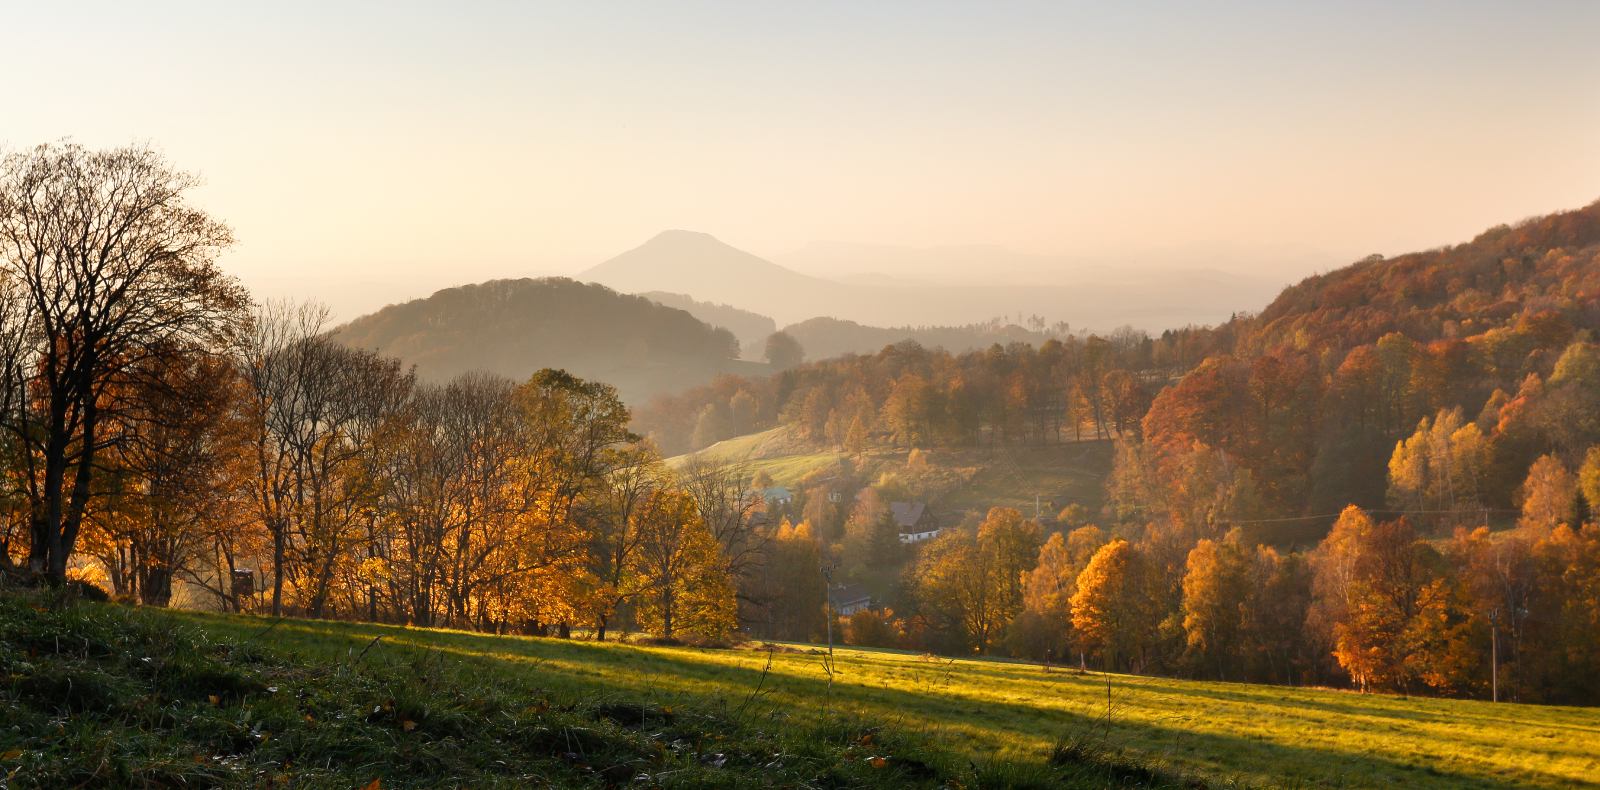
452,142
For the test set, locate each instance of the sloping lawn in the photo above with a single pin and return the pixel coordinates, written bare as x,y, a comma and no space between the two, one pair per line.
1263,735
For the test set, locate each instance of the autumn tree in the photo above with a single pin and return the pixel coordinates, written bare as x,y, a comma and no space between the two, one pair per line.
1044,627
1113,612
1440,469
1549,496
637,473
573,432
793,591
171,485
1218,596
679,579
732,513
116,274
968,585
871,628
1373,580
444,464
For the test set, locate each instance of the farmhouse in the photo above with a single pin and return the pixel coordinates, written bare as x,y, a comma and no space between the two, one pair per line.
847,599
776,495
916,522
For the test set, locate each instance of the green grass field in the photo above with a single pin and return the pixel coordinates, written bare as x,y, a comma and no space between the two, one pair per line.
1025,477
755,453
1250,735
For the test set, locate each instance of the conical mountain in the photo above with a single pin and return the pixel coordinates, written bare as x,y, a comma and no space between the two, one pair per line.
697,264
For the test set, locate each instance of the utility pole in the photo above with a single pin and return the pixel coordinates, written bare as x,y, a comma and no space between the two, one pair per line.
1494,651
827,575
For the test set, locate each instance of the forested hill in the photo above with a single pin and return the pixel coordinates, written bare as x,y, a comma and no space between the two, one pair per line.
750,328
515,327
1544,265
1479,357
1305,401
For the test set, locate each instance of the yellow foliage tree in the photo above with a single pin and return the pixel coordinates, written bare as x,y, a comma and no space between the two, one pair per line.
1549,496
679,580
971,585
1113,611
1216,595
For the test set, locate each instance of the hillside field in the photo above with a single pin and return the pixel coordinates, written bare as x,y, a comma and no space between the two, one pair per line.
1233,733
1025,477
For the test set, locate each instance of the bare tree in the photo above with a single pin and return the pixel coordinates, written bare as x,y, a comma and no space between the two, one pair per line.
736,517
313,408
638,473
115,271
275,358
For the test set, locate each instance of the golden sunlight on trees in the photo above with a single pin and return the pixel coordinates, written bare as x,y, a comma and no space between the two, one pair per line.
167,439
1044,627
1113,611
1216,598
1549,496
678,576
967,585
109,278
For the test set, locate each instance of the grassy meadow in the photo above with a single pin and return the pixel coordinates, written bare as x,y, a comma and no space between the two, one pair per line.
1018,477
770,451
1229,733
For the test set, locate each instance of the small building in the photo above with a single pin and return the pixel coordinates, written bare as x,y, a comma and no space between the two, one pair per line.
915,521
776,495
847,599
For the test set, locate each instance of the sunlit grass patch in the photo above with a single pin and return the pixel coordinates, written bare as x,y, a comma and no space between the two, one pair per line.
115,696
1265,735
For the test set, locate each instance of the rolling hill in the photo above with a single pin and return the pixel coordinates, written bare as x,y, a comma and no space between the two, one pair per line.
516,327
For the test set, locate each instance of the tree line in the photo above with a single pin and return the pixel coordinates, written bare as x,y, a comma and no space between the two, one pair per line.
1437,392
159,427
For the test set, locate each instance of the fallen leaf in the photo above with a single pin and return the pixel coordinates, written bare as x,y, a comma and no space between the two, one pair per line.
878,762
373,786
214,700
408,726
11,755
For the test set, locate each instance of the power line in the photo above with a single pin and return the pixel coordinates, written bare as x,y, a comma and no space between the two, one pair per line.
1474,511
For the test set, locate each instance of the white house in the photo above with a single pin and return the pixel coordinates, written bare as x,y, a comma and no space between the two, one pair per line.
915,521
848,599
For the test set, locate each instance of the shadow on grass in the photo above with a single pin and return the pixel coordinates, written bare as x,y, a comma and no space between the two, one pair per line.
593,668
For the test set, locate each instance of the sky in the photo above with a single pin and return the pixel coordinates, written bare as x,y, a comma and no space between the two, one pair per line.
402,147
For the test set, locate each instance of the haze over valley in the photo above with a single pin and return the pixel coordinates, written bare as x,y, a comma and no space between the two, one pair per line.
808,395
